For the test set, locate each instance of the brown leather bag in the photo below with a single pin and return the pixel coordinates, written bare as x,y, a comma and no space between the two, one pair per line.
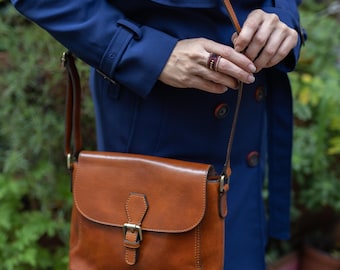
141,212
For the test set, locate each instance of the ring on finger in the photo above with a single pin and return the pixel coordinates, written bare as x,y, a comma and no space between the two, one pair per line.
213,61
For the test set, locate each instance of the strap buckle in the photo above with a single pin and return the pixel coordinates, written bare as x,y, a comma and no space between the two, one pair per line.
224,183
133,228
69,161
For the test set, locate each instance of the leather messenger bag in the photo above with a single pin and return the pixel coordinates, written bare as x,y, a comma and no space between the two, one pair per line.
142,212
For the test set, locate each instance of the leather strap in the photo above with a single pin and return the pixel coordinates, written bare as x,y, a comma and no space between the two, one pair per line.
232,15
226,171
136,207
73,101
72,110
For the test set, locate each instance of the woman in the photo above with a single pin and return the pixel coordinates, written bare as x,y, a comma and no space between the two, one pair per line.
171,93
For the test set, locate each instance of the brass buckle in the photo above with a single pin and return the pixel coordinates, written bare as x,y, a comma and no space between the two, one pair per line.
133,228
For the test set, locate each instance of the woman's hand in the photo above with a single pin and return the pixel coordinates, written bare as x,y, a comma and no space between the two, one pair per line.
264,39
188,66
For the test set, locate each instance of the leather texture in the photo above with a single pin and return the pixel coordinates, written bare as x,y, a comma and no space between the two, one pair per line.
139,212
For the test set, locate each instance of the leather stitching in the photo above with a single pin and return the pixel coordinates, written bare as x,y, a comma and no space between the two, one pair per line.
198,248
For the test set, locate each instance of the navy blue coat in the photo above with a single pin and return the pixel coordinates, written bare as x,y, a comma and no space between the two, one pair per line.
130,41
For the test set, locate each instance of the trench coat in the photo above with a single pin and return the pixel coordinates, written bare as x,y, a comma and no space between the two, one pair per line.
130,42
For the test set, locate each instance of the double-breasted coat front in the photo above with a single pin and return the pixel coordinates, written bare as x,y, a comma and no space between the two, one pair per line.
130,42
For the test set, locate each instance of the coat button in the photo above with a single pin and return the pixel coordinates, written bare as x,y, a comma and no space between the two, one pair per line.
259,93
221,111
253,159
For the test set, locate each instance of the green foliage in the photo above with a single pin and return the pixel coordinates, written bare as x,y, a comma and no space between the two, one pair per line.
316,152
35,198
316,91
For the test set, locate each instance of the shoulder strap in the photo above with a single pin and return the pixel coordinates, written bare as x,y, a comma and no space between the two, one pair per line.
72,146
226,171
73,139
232,15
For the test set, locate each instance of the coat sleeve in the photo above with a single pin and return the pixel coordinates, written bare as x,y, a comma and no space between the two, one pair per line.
100,35
287,10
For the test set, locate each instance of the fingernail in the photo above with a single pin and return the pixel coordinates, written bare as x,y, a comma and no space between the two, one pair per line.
251,79
252,68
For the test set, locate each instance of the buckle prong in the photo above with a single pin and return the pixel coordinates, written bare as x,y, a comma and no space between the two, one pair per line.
133,227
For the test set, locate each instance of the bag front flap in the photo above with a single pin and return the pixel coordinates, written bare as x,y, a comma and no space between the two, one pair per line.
175,190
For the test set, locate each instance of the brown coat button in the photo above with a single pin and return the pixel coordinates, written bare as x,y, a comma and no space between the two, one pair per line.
221,111
259,93
253,159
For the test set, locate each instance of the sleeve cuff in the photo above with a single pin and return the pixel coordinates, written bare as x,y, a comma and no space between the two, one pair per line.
137,54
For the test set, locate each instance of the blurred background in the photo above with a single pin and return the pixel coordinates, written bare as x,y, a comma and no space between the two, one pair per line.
35,198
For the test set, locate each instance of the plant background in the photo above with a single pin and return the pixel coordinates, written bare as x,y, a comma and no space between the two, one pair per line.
35,199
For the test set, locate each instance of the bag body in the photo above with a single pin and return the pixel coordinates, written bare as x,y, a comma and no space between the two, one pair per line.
141,212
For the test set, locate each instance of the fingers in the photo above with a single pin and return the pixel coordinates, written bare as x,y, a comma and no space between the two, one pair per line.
191,65
276,49
200,63
230,64
230,55
204,79
264,39
210,86
227,69
201,77
255,33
